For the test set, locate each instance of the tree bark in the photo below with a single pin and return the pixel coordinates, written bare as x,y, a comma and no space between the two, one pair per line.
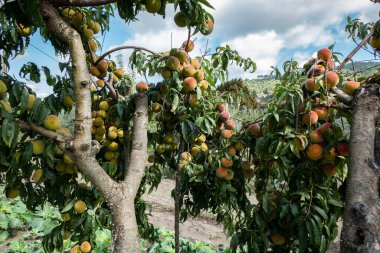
120,196
361,221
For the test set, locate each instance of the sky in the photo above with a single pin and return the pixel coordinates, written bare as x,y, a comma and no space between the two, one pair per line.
268,31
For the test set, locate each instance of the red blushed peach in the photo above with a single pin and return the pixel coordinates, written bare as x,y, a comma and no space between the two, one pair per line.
189,84
230,175
330,64
188,70
323,113
141,86
324,128
350,87
225,162
221,172
315,137
231,151
318,70
172,63
331,79
330,154
254,129
311,84
221,108
329,169
224,116
227,134
193,100
229,124
310,118
188,45
314,152
324,54
342,148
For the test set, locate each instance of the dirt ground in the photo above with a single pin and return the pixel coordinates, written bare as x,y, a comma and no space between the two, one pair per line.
203,228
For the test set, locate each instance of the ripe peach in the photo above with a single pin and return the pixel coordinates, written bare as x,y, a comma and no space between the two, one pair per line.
310,118
199,75
100,83
329,169
201,138
189,84
203,85
75,249
323,113
172,63
227,134
298,142
141,86
330,64
85,247
102,66
331,79
315,137
231,151
254,129
229,176
277,239
210,27
221,108
119,73
314,152
229,124
330,154
224,116
188,70
311,84
94,71
52,122
13,193
195,151
325,128
350,87
342,148
186,156
195,63
188,45
221,172
181,55
318,70
324,54
225,162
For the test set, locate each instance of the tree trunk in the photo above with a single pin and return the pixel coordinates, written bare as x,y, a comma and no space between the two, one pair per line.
361,223
125,234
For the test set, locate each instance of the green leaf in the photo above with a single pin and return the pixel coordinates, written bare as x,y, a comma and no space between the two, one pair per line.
302,239
24,100
335,202
321,212
69,204
8,131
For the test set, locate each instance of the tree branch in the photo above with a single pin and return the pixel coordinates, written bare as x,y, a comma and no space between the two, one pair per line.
82,3
121,48
83,149
342,97
356,49
29,126
59,28
111,87
138,155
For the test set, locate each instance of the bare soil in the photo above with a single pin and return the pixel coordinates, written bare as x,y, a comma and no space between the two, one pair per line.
202,228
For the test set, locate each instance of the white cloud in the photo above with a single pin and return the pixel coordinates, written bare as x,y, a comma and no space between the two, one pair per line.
263,48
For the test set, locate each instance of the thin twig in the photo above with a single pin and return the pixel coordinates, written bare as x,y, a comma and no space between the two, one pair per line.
121,48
